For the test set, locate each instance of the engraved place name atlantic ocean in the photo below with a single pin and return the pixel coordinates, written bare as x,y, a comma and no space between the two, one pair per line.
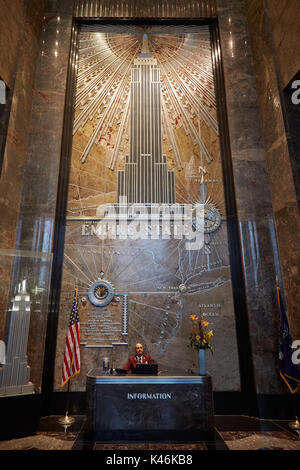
149,396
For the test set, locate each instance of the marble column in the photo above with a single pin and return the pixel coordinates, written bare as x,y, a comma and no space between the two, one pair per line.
274,31
34,239
252,192
20,26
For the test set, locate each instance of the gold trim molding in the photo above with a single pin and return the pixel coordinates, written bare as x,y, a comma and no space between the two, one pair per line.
144,9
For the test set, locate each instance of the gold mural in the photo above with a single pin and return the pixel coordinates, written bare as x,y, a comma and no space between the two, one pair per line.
146,132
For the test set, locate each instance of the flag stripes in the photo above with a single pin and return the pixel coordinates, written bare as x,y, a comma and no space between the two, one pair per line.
71,360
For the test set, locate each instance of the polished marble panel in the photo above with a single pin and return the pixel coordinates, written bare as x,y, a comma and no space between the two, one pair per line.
285,29
273,32
19,46
39,186
252,190
149,407
11,23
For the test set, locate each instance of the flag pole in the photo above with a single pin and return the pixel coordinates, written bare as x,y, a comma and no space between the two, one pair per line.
71,360
67,420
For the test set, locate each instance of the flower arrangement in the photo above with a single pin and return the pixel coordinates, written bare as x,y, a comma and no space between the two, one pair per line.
200,338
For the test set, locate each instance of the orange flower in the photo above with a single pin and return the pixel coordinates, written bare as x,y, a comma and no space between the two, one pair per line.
205,323
193,317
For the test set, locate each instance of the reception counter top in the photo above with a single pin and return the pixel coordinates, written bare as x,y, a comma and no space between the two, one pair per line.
149,407
96,376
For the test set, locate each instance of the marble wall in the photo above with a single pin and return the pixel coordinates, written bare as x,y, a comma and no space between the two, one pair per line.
30,169
285,35
20,28
11,29
274,33
250,171
252,190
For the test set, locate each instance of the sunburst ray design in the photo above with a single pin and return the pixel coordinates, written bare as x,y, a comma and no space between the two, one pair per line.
105,60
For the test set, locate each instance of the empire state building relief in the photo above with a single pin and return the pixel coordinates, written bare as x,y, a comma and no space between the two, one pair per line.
146,178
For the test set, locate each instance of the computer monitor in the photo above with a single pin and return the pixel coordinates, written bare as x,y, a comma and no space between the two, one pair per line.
146,369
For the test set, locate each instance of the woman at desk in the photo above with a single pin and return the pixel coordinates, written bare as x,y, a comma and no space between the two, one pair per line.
139,358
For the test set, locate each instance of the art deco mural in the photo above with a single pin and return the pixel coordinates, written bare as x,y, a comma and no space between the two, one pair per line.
146,149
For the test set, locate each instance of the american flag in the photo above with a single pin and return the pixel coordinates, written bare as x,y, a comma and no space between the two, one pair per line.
71,362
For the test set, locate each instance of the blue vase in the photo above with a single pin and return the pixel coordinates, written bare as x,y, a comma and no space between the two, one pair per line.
202,362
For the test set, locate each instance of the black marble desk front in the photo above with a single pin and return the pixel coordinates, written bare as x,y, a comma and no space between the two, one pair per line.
149,407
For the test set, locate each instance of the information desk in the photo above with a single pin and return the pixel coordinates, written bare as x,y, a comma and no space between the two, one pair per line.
149,407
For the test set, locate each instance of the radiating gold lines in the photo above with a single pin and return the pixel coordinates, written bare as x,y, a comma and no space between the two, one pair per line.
104,76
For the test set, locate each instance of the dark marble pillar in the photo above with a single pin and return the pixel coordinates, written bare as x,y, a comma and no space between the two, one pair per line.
34,240
20,27
273,28
252,192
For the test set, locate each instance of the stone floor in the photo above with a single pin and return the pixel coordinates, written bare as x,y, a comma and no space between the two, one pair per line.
231,433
